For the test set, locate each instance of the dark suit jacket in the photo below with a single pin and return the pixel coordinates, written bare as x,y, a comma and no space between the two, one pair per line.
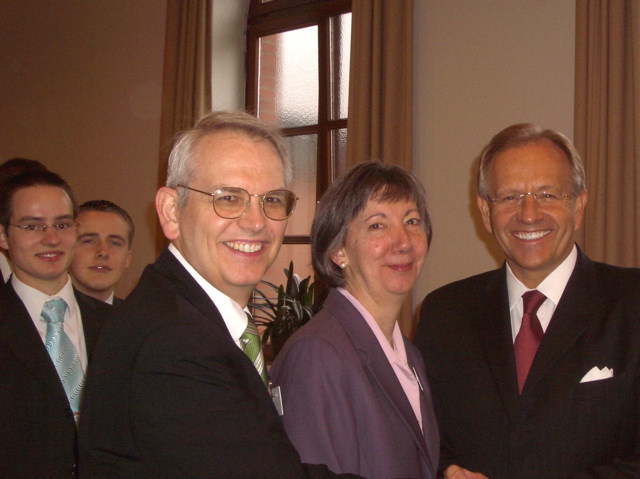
37,429
171,395
559,427
344,405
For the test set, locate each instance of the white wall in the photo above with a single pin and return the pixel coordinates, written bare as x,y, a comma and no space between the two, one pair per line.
481,65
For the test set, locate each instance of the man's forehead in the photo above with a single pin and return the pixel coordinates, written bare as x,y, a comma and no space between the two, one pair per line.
38,194
103,220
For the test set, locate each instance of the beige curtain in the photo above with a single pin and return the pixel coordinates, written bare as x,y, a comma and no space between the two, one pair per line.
186,88
607,126
381,91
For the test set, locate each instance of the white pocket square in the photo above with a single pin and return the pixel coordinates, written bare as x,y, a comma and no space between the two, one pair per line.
596,374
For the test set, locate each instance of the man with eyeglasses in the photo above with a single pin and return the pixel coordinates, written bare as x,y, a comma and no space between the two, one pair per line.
178,383
535,367
47,329
8,169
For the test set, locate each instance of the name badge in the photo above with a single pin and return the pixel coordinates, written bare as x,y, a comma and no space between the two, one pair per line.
276,396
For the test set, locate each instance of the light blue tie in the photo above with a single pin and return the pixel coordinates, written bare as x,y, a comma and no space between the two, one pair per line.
252,347
63,354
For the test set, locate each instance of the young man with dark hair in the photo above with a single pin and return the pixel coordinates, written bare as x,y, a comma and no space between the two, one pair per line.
47,330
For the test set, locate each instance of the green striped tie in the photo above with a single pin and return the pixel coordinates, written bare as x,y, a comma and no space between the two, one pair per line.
252,347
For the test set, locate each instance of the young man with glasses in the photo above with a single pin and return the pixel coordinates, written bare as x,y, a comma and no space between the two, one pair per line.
47,330
535,367
177,386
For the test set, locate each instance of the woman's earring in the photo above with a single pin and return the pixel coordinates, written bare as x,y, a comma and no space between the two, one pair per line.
343,265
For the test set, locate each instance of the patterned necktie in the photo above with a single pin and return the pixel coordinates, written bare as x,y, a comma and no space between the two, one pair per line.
63,354
252,347
529,336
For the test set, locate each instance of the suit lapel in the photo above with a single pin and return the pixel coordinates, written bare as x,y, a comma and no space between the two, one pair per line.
376,363
19,335
494,330
179,281
578,307
430,430
93,313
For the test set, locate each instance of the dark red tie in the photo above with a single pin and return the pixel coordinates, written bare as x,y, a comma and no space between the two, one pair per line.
529,336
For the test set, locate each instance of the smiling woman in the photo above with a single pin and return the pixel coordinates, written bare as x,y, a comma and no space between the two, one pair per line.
355,395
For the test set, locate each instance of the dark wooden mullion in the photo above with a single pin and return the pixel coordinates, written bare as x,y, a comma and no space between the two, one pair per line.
323,163
266,12
297,239
251,80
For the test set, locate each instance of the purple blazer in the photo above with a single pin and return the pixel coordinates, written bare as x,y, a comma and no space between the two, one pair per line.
343,404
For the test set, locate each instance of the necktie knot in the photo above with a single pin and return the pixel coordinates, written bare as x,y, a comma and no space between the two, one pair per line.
532,300
53,310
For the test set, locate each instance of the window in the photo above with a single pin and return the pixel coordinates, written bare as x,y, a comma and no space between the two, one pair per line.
298,76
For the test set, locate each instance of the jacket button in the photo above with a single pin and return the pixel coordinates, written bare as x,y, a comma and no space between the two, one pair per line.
73,469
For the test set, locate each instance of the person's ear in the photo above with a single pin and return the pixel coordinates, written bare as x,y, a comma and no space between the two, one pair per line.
340,258
167,209
485,211
3,239
581,203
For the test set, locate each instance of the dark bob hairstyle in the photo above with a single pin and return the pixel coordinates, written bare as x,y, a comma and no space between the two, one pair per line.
346,198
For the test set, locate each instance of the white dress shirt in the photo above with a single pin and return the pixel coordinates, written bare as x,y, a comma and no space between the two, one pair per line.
5,267
34,301
552,287
232,313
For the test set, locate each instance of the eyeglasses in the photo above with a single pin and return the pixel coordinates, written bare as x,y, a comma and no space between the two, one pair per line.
231,203
40,229
547,198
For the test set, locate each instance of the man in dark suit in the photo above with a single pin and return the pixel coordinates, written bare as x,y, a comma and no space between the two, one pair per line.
535,367
177,385
39,399
103,253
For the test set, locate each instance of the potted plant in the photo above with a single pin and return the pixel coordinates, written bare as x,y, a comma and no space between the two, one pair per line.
288,311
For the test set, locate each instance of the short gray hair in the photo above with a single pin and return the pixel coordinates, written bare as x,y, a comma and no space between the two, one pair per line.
181,166
523,134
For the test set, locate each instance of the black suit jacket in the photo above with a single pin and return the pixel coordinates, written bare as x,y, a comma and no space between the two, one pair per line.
559,427
171,395
37,429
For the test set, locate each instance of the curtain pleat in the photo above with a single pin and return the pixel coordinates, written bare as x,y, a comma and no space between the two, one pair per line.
186,87
607,126
380,121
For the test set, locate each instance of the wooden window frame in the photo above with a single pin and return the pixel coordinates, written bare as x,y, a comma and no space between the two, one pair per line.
280,16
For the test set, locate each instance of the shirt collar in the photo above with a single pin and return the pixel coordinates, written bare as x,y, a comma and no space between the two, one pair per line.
232,313
552,286
34,299
397,353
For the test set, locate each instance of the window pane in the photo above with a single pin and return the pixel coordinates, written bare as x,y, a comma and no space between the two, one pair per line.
338,153
288,78
340,55
303,154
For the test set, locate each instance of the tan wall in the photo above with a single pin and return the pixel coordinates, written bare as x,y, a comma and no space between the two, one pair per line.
80,91
481,65
81,81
